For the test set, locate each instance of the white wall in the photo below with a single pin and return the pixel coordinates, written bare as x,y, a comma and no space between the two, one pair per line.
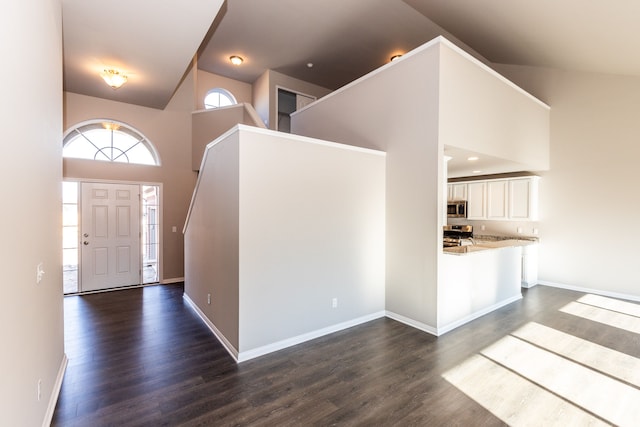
278,227
483,112
31,320
312,228
395,109
594,153
211,239
208,125
169,130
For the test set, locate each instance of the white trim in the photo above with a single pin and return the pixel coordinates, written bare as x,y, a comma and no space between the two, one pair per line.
263,131
289,342
413,323
277,88
118,288
451,326
618,295
219,335
171,281
248,108
159,261
55,393
440,40
473,316
150,145
279,345
307,139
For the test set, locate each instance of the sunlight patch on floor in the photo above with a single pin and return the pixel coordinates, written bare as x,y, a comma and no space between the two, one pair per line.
608,317
538,375
514,399
611,304
595,356
600,394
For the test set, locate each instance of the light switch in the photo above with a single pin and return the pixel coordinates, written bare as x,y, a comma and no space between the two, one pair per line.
174,229
39,272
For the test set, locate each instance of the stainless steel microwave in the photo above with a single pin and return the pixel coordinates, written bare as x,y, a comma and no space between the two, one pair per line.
457,209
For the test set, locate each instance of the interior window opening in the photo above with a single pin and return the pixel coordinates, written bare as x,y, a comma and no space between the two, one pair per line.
218,97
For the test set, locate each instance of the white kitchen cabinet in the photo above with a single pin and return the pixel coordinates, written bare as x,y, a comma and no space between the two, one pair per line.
497,199
457,191
476,200
523,199
510,199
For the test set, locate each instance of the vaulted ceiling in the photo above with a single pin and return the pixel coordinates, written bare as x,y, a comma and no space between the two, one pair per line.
155,42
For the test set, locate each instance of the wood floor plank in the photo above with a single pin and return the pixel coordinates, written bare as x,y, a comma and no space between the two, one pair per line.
141,357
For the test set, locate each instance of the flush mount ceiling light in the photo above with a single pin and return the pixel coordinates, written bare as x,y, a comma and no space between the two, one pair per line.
236,60
395,57
114,78
472,158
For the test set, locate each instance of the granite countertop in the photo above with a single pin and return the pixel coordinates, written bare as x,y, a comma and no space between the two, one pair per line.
497,238
482,244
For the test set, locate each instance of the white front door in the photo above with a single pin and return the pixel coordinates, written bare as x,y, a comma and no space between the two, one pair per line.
110,236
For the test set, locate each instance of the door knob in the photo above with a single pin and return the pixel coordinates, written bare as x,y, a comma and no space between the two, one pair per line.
86,235
85,243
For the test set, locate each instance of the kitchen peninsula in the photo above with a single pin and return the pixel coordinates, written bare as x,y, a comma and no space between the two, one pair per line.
479,278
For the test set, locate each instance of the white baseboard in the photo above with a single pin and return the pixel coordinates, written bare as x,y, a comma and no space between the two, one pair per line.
473,316
590,290
270,348
449,327
171,281
55,393
219,335
413,323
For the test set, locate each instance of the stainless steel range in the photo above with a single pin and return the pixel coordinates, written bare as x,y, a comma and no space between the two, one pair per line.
455,235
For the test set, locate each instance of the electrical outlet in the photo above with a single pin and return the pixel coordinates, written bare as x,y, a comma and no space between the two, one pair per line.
209,299
334,303
39,390
519,230
535,231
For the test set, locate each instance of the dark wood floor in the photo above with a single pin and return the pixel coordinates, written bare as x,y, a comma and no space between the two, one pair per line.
142,357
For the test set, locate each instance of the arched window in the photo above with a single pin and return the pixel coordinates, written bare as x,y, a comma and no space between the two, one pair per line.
218,97
110,141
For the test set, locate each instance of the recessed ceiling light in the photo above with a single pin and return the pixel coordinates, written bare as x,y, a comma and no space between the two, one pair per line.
472,158
395,57
477,171
236,60
310,64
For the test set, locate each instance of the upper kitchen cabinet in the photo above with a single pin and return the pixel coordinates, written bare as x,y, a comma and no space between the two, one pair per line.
497,206
512,199
477,200
457,192
523,199
482,112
